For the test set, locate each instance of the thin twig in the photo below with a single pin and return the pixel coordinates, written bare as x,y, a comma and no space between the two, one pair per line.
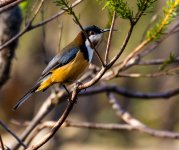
29,25
110,126
133,94
59,123
122,47
118,127
157,61
60,27
45,109
4,3
110,37
165,73
121,113
27,28
6,7
44,38
12,133
2,144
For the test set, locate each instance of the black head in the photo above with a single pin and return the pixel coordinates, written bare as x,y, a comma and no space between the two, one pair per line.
94,33
92,30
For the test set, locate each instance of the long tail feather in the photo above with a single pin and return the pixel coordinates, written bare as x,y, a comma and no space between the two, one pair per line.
26,96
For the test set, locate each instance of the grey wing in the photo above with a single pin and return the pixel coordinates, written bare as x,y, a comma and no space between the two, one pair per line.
60,59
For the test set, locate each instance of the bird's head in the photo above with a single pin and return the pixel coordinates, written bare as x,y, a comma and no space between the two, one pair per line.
93,33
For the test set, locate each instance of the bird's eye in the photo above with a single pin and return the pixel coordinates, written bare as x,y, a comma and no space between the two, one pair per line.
91,33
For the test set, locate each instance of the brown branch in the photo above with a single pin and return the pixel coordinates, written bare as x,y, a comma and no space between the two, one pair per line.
27,28
109,126
136,123
133,23
59,123
12,133
170,72
140,51
6,2
121,113
2,144
132,94
10,5
117,68
29,25
157,61
117,127
155,44
45,109
122,47
110,37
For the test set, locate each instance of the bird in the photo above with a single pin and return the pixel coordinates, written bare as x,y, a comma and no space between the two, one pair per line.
69,64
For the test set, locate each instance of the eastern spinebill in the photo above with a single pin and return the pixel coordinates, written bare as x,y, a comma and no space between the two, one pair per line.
69,63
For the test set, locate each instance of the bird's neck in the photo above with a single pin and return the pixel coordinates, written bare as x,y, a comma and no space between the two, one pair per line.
80,39
85,47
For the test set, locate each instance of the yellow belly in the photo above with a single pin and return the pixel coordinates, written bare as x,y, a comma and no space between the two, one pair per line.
67,73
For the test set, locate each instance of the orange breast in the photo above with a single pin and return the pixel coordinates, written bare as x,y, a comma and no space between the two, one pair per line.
67,73
70,71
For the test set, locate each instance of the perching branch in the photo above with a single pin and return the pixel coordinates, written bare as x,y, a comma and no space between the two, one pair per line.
59,123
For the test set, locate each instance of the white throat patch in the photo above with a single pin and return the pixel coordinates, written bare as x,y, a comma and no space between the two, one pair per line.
93,38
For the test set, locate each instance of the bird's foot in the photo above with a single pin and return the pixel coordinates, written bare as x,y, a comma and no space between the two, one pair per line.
78,83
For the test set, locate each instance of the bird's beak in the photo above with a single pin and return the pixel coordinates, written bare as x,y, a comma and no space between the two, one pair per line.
107,30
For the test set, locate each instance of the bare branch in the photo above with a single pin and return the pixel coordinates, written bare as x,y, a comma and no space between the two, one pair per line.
121,113
2,144
132,94
156,61
10,5
110,37
45,109
29,25
165,73
118,127
12,133
122,47
27,28
6,2
109,126
59,123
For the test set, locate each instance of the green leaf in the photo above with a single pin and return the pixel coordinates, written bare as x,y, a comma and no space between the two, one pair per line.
168,61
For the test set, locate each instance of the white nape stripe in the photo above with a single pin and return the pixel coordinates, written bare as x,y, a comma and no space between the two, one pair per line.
92,38
90,50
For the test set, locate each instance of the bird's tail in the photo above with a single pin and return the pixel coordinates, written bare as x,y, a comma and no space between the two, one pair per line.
26,96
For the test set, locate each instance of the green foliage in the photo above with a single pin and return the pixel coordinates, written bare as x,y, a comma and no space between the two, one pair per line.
170,13
120,6
124,11
144,5
24,7
64,5
168,61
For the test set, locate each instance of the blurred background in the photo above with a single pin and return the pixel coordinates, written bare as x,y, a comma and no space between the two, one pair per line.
30,60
